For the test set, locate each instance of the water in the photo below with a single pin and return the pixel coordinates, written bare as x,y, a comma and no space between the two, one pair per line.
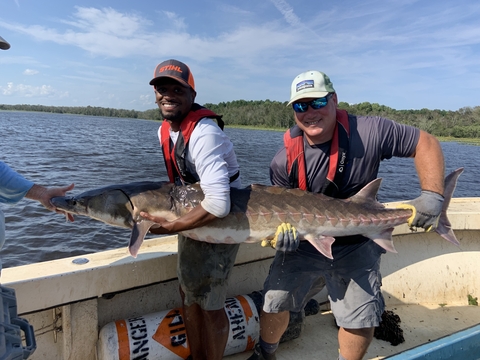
56,150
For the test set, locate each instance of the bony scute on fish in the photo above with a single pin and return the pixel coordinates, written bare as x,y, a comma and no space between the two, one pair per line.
256,212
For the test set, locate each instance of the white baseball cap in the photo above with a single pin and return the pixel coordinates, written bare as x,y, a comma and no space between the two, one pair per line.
310,84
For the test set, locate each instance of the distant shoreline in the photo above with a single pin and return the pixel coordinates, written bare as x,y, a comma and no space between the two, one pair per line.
467,141
152,115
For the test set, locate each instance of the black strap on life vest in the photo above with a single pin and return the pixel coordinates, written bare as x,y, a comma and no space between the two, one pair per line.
296,166
174,155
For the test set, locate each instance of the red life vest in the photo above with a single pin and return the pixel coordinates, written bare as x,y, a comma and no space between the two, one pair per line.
296,168
174,156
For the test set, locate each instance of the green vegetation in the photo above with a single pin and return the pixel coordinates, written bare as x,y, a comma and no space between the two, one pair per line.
472,300
77,110
447,125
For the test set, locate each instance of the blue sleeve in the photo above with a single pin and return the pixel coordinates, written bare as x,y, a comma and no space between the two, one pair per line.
13,186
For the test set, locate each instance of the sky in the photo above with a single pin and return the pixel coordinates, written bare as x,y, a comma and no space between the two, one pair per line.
404,54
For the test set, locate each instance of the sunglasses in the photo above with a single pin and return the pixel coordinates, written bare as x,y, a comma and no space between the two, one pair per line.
316,104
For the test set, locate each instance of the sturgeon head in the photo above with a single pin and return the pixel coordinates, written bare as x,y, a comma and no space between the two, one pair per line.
120,205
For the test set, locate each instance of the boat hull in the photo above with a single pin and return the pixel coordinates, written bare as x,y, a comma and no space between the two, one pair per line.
427,284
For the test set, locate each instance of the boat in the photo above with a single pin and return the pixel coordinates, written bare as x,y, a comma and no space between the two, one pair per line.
431,286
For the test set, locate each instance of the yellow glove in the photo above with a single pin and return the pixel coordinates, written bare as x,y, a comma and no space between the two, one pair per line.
285,239
408,207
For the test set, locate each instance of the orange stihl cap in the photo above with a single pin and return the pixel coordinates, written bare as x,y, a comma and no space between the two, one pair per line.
176,70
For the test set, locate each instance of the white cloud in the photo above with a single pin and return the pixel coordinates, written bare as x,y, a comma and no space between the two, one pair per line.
147,100
177,21
30,72
31,91
233,9
107,21
287,11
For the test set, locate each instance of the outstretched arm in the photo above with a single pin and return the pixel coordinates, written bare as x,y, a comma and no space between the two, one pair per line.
196,218
429,163
14,187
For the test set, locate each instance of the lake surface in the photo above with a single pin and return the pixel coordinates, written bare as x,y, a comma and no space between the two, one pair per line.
57,149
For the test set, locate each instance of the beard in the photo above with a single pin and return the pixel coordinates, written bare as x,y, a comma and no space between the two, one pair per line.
172,116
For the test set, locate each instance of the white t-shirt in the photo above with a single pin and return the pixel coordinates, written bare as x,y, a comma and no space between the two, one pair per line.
211,157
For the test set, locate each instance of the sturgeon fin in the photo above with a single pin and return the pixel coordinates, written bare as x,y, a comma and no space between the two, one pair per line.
444,227
323,244
384,240
139,230
368,194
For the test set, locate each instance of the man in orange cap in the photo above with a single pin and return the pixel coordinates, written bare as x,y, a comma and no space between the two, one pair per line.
195,149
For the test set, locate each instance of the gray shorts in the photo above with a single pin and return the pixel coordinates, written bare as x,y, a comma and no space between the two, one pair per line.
353,282
203,270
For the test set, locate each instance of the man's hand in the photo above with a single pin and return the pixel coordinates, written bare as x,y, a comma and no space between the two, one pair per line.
285,239
159,229
426,210
43,194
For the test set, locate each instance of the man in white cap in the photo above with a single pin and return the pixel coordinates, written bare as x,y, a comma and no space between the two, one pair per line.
335,153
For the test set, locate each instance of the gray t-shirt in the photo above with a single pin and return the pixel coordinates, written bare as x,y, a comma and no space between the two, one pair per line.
372,139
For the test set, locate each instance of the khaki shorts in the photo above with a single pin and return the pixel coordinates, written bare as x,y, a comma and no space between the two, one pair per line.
353,282
203,270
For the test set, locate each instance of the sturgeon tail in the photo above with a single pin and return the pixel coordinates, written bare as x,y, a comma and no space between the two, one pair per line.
444,227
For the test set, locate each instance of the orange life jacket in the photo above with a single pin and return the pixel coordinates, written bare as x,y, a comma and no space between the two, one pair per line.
296,168
174,156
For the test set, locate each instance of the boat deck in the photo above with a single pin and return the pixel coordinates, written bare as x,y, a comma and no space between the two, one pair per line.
420,324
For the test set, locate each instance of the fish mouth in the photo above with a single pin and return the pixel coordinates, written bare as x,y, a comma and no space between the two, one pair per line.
64,205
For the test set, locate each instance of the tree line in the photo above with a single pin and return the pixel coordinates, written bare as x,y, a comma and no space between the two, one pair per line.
463,123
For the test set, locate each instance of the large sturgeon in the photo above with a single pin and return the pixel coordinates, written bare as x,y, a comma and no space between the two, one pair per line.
256,211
